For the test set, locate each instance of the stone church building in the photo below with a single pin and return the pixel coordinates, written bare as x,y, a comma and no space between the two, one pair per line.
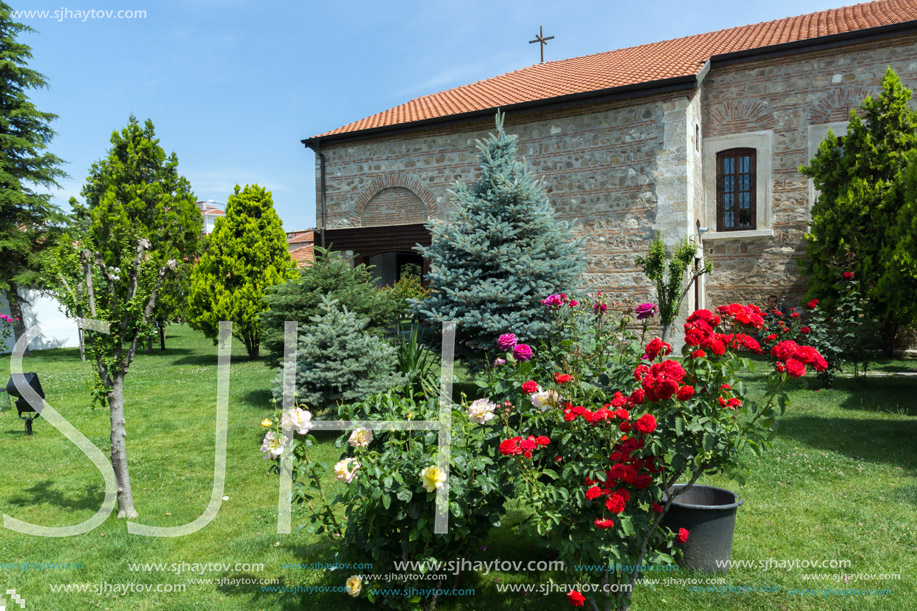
706,131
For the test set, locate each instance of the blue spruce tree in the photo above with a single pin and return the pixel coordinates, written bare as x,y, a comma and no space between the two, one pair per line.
502,252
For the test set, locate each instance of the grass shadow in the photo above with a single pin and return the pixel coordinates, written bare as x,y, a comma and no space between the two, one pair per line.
887,394
259,397
871,440
44,492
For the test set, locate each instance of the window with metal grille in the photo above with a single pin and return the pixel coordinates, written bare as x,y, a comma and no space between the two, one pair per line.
735,190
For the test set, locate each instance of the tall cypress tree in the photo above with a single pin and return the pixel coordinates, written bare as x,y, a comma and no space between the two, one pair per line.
865,201
501,253
247,253
27,218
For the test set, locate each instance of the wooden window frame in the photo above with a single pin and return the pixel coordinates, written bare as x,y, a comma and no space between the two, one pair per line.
736,153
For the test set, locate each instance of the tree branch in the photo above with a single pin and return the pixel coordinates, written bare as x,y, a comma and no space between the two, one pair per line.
151,303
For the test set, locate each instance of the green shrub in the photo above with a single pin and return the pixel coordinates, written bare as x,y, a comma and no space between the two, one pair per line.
388,511
338,360
330,274
501,252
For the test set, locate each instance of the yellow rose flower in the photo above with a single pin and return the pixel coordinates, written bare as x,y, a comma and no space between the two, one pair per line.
354,585
433,478
266,422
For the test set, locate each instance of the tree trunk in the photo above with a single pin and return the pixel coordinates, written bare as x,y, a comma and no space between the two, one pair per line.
253,347
162,336
149,345
889,333
665,332
118,448
12,296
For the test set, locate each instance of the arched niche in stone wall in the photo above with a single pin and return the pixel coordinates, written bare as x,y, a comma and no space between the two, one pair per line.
394,199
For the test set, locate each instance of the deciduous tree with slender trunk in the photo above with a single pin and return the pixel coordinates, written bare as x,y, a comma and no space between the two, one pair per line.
139,226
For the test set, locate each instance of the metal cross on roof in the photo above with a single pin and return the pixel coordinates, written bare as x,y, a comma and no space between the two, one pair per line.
543,40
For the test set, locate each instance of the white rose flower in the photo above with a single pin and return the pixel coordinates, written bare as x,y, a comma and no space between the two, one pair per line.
546,399
481,411
297,419
346,469
273,445
354,585
433,478
360,438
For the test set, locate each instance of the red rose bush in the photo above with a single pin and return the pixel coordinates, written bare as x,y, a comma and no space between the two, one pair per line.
626,420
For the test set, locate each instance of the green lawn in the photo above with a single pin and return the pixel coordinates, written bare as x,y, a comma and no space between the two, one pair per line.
839,484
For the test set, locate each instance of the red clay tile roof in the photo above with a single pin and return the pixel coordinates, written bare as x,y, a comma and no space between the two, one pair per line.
303,256
680,57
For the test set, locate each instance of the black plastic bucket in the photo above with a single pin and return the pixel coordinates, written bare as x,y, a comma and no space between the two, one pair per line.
709,515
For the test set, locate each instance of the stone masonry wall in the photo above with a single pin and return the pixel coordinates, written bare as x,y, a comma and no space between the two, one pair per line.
623,171
601,165
786,95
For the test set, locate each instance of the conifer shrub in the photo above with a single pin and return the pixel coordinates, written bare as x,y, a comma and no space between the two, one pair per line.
339,360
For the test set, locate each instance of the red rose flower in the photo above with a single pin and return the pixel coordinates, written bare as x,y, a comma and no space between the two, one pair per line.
657,507
614,504
779,366
685,393
794,315
562,378
810,356
528,445
750,343
618,471
682,536
636,397
640,372
646,424
785,350
795,368
812,304
510,447
603,525
530,387
542,440
624,427
698,354
733,403
771,338
576,599
593,493
624,494
805,330
642,481
848,275
717,347
655,348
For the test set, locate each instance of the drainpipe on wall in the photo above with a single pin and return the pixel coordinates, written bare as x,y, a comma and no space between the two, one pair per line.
321,180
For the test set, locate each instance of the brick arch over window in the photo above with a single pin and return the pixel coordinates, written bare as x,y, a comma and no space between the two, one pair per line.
399,190
835,106
739,116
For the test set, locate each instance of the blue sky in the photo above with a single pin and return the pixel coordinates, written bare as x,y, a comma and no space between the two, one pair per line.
233,85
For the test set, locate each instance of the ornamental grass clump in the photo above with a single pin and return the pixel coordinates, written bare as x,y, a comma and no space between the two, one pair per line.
592,449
